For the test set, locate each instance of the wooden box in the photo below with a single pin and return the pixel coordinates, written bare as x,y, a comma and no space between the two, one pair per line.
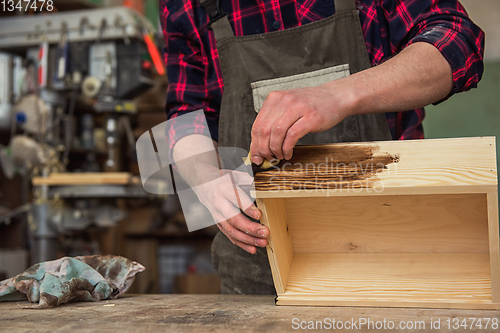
387,224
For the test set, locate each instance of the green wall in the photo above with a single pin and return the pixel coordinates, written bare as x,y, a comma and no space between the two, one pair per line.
472,113
151,11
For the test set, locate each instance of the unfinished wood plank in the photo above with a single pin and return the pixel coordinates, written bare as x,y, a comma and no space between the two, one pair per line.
494,245
392,278
394,224
90,178
332,301
460,165
280,248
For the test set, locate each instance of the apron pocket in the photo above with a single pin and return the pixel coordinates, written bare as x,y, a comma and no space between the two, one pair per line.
261,89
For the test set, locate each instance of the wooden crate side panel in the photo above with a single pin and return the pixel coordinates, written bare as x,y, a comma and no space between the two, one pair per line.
494,245
441,162
393,277
280,248
460,165
392,224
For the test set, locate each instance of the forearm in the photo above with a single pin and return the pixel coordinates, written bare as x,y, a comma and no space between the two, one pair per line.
419,75
196,159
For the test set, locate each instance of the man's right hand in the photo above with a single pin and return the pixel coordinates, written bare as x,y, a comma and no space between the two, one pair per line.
224,198
220,192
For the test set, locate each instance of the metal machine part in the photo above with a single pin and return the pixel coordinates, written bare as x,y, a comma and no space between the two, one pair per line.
25,150
91,86
117,23
100,53
99,191
103,66
10,72
112,139
108,44
69,218
40,115
132,77
6,91
33,114
117,71
44,234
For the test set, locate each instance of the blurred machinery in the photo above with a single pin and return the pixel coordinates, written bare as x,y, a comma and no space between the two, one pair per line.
98,59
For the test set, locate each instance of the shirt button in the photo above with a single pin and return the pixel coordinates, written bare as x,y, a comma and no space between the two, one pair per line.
276,25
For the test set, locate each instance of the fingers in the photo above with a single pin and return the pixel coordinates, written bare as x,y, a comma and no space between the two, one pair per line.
280,131
225,207
300,128
239,229
249,248
243,230
247,205
280,111
278,134
271,110
239,198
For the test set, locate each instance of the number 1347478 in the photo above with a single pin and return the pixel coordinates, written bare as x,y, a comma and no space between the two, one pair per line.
27,5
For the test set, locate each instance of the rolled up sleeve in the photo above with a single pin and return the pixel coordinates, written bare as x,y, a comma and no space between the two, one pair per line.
446,25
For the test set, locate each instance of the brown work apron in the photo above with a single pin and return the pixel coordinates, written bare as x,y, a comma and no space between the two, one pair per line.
252,66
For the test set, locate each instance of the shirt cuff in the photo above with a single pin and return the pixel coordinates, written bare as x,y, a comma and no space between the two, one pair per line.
177,131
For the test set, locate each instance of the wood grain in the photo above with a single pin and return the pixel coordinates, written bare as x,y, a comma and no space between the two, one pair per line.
280,248
336,302
90,178
326,167
494,245
386,278
394,224
213,313
460,165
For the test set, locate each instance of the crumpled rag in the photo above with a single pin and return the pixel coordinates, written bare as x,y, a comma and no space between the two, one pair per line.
84,278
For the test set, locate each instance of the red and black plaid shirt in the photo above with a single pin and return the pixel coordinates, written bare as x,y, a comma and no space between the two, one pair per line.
194,75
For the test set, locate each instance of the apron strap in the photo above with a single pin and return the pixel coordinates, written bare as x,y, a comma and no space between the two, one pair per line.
344,5
219,21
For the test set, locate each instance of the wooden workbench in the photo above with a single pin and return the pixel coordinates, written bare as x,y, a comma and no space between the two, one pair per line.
214,313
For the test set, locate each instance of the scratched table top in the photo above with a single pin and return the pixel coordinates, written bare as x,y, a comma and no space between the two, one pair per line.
233,313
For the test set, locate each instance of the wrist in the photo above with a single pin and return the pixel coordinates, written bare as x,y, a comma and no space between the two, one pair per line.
345,99
352,99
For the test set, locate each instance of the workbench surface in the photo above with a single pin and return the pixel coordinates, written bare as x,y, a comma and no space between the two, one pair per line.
220,313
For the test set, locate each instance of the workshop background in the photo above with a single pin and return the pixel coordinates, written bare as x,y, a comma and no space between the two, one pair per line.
98,96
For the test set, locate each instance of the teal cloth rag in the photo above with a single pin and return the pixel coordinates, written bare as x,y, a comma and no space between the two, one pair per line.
85,278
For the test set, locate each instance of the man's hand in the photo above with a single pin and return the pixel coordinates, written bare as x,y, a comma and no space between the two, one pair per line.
288,115
220,192
224,198
417,76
